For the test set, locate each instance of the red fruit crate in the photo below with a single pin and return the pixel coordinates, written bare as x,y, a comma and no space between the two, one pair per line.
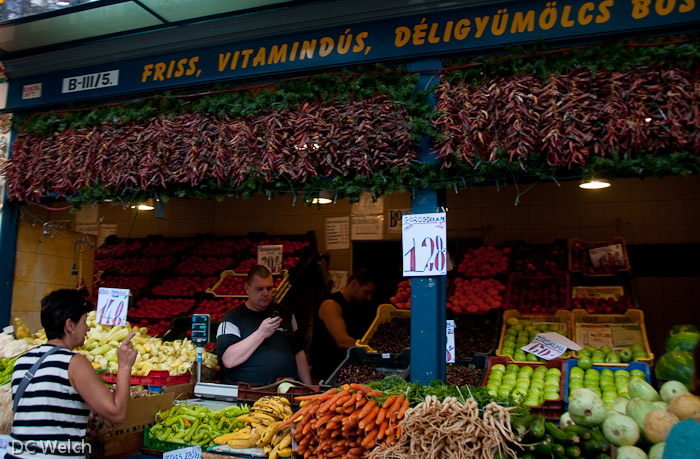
153,378
248,393
580,249
553,293
550,409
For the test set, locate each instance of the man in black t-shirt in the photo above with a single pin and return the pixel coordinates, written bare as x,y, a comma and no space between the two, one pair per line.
256,342
340,322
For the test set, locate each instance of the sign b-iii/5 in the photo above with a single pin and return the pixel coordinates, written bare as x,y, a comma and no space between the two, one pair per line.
90,81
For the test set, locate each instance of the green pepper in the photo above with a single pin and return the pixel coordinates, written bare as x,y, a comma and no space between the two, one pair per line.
162,436
203,431
170,421
191,431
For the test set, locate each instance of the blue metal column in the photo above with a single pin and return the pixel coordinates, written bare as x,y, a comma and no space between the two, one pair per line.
428,294
8,254
9,227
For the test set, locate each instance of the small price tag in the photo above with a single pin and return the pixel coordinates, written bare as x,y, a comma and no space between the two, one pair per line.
112,304
450,333
550,345
270,256
424,240
191,452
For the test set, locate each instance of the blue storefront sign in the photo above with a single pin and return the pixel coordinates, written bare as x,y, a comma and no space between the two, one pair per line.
387,40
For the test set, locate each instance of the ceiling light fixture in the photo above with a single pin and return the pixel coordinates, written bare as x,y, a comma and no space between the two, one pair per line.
324,197
148,204
595,184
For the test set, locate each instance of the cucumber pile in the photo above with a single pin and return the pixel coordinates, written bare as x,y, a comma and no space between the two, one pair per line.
544,439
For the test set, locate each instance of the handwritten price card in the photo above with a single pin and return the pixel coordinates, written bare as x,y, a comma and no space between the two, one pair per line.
191,452
450,341
424,238
270,256
550,345
112,304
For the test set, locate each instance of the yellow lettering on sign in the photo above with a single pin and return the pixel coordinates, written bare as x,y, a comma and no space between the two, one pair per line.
277,54
584,16
522,23
161,71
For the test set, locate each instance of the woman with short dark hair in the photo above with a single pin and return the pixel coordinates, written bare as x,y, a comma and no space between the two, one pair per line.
53,405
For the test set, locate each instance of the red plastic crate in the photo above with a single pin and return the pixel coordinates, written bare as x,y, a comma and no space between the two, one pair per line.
550,409
153,378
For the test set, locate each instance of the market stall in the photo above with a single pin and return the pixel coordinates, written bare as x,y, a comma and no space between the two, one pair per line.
509,121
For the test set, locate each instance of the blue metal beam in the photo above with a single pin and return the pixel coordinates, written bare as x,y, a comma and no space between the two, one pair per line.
428,312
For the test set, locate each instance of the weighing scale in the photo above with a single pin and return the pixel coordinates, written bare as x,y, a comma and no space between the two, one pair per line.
211,391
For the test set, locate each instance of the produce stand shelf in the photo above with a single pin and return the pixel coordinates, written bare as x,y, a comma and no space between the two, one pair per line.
550,409
386,364
385,313
561,318
571,363
632,317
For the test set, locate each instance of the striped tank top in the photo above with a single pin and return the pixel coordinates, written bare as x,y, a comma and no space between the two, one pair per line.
51,417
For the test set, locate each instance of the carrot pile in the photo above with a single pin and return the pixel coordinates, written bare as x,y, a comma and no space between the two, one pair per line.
451,429
346,422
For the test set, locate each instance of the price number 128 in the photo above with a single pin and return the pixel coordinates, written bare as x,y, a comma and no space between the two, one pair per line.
435,259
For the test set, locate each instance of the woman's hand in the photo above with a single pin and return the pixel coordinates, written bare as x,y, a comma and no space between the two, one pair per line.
126,355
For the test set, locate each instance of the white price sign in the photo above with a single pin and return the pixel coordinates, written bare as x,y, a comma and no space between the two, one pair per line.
424,238
550,345
112,304
450,334
191,452
270,256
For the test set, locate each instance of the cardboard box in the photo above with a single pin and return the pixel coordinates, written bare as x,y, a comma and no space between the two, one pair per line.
126,438
180,391
141,412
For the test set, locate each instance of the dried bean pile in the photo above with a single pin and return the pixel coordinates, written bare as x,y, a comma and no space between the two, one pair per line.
475,333
393,337
358,373
461,375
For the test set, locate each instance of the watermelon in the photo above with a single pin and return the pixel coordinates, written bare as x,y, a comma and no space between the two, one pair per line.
681,328
684,341
676,365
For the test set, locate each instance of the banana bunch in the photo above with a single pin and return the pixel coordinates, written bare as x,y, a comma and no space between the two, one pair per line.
261,428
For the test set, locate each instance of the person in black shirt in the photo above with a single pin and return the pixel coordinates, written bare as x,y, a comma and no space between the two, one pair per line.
340,322
256,342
